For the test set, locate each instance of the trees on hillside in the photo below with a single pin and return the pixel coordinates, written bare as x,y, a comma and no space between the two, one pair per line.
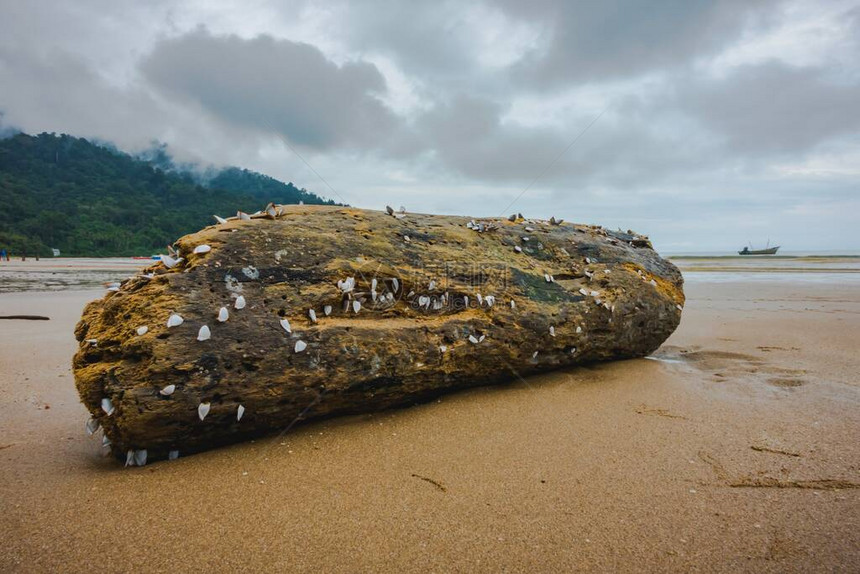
88,200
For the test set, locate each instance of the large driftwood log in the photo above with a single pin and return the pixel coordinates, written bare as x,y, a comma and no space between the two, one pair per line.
437,303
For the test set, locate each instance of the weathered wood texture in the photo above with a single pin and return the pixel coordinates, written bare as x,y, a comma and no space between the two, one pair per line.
397,349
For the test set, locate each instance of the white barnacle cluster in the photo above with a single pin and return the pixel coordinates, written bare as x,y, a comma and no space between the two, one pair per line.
170,262
93,426
481,226
400,214
428,302
487,300
136,457
346,285
376,294
271,211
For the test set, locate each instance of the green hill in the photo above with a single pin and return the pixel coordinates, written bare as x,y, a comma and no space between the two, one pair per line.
90,200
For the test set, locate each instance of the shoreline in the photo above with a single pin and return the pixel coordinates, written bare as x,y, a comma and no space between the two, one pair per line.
62,274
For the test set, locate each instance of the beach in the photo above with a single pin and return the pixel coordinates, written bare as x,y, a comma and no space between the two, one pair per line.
734,448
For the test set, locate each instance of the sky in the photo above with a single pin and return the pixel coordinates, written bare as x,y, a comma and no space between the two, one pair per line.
705,125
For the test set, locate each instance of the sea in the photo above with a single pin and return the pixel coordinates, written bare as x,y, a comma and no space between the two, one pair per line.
794,266
68,273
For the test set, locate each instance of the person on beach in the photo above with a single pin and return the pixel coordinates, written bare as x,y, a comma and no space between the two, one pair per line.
3,255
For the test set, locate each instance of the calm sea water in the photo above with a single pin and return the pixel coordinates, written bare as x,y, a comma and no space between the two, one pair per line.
91,273
66,273
816,267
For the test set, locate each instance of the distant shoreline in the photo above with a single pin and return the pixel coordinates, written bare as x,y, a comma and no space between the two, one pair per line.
96,273
763,257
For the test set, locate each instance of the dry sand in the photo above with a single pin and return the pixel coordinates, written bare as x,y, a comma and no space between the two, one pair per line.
736,451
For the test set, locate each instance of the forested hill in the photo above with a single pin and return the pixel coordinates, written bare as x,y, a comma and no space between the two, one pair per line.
88,200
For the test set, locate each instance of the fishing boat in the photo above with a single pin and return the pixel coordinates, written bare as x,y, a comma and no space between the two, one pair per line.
766,251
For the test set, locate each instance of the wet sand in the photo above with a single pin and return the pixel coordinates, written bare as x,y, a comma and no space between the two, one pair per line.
734,449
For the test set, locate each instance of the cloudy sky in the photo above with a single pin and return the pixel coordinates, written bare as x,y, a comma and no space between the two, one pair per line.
702,124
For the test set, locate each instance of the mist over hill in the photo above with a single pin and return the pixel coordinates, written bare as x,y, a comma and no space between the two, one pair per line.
90,199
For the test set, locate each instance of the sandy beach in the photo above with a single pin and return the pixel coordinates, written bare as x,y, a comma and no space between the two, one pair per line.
733,449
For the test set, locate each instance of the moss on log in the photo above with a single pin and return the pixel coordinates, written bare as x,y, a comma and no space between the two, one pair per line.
438,303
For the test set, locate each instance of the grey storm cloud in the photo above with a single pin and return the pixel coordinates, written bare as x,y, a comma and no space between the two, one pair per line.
273,85
467,135
470,136
773,108
589,41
